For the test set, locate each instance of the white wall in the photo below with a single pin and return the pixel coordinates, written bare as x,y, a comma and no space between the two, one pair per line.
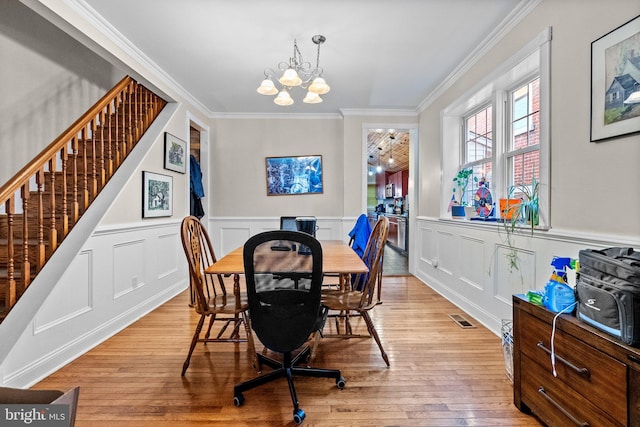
238,179
115,266
47,81
587,179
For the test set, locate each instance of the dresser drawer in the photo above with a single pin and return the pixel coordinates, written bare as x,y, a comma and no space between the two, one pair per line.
591,373
556,404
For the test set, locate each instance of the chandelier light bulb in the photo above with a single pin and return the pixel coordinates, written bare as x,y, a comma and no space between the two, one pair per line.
290,78
267,87
319,86
296,72
283,98
312,98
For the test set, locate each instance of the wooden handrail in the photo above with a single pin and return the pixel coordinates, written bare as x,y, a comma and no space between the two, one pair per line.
32,167
58,185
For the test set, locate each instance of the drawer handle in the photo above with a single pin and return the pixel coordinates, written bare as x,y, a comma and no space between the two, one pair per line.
559,407
580,371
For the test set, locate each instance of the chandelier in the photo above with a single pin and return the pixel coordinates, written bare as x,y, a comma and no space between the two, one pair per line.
296,73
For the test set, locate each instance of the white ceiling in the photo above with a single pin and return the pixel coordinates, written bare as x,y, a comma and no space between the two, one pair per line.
379,54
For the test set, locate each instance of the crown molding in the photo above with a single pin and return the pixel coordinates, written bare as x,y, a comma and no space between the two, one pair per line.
135,59
374,112
507,24
280,116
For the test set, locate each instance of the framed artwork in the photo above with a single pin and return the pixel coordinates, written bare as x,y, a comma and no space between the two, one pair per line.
157,192
175,153
294,175
615,82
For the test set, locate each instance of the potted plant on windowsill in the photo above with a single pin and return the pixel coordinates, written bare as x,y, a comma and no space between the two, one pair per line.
523,214
460,184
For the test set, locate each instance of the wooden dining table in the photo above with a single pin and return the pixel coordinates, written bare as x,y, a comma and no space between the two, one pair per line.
337,258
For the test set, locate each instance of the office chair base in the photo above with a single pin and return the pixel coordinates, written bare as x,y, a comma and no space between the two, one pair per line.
286,369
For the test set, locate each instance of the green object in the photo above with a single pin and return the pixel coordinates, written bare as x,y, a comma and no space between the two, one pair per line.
535,297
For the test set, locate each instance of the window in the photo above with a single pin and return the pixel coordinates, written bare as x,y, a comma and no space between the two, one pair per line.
478,148
500,129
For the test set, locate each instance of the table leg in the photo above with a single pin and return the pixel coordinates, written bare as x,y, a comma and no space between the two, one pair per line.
236,291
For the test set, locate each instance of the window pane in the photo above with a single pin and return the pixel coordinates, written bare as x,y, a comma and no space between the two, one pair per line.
481,173
525,115
525,133
478,132
524,167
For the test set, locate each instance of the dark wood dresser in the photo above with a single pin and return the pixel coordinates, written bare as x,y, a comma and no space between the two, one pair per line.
598,376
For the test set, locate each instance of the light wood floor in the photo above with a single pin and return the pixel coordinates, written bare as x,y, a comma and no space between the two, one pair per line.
440,374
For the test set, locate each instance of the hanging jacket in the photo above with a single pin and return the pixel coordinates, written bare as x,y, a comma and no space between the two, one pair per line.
195,177
360,234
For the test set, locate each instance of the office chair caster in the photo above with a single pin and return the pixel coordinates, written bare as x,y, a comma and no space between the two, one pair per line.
238,399
298,416
340,383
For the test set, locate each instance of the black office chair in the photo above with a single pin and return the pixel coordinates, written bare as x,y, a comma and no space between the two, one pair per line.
283,288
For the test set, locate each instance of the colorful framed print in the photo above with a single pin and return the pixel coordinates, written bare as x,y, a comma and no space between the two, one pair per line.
294,175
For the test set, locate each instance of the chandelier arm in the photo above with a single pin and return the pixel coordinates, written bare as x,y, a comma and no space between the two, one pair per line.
303,69
270,73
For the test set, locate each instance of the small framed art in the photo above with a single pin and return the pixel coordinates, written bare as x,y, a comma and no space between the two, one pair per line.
157,193
175,153
615,82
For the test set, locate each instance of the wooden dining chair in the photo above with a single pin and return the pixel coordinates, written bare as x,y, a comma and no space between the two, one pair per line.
359,298
212,299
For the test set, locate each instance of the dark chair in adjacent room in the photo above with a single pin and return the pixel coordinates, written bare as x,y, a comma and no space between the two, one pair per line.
359,299
17,396
283,287
212,299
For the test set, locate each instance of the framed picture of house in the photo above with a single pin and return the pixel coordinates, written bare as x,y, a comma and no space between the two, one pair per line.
157,193
294,175
175,153
615,82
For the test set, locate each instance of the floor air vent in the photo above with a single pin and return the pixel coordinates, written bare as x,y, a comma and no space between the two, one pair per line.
461,321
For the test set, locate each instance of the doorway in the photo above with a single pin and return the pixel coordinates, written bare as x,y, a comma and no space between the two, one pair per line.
198,167
389,153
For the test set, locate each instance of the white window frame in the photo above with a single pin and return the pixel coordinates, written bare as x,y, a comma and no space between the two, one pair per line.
530,61
510,135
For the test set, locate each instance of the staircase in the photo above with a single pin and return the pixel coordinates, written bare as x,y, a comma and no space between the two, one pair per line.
40,205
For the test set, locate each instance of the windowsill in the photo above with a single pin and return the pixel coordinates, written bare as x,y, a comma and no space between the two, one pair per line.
491,224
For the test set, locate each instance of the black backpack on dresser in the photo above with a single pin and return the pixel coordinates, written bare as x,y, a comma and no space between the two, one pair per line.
608,292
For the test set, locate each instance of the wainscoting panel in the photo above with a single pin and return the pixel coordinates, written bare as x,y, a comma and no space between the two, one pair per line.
232,238
68,300
516,272
427,240
169,259
128,267
472,262
120,274
470,266
448,251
